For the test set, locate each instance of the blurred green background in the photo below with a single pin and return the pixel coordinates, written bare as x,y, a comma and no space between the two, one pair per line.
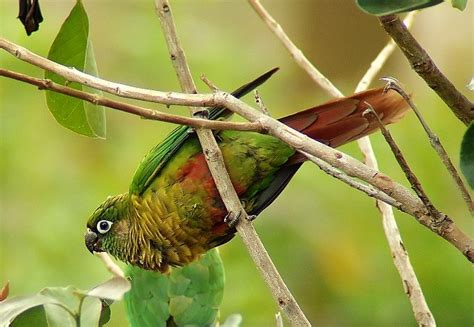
325,238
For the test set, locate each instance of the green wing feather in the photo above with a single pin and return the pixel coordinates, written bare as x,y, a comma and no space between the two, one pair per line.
188,296
151,165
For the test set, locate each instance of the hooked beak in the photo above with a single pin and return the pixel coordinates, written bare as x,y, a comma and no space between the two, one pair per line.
92,241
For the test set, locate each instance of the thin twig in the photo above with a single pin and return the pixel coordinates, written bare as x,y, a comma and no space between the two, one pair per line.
400,257
369,190
350,166
382,57
229,196
411,177
44,84
279,320
260,103
422,63
111,266
435,143
296,53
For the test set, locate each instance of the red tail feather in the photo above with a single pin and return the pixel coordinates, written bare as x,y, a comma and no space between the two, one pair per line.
340,121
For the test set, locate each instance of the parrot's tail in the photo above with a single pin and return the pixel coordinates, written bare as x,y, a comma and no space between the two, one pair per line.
342,120
334,123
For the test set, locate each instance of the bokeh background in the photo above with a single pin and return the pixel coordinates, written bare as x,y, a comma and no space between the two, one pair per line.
325,238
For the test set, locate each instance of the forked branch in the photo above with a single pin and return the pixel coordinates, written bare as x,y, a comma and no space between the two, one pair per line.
427,69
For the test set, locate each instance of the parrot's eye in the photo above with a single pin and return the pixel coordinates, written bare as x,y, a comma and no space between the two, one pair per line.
103,226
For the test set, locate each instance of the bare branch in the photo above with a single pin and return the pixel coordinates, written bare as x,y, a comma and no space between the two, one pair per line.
436,144
401,260
296,53
111,266
369,190
352,167
44,84
422,63
382,57
229,196
260,104
279,320
412,287
414,182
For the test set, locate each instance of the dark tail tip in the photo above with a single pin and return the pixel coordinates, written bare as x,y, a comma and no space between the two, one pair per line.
244,89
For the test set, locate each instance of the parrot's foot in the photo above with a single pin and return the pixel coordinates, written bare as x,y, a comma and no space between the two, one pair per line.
232,219
204,114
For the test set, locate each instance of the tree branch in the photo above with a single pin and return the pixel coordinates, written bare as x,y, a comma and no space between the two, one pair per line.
352,167
111,266
400,256
44,84
436,144
296,53
215,161
422,63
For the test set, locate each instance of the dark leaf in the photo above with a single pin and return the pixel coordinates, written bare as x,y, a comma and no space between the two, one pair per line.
467,155
31,317
387,7
30,15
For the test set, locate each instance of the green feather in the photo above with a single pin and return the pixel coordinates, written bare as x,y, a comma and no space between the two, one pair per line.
151,165
187,296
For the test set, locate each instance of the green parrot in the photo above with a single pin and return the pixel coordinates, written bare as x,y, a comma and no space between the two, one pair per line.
173,213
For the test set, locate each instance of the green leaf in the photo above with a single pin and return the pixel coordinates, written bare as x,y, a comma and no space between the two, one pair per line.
65,311
64,306
105,314
188,296
113,289
459,4
467,155
32,317
90,311
387,7
13,307
72,47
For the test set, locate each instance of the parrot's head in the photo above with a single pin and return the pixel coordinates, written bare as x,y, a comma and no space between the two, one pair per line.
108,227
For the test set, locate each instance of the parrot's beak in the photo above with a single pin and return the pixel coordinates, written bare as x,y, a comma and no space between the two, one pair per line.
91,240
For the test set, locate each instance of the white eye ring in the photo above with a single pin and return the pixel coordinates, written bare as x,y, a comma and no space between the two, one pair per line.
103,226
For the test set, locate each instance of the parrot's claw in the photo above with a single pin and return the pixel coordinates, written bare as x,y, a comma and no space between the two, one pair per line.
232,219
204,114
251,217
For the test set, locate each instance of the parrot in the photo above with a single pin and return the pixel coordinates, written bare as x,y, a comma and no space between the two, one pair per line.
172,213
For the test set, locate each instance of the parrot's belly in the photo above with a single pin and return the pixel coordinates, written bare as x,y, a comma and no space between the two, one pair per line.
182,211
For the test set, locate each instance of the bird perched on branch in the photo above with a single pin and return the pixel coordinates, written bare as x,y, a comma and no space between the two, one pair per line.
173,213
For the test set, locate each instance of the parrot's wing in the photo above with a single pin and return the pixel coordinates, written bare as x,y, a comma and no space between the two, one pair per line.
188,296
154,161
